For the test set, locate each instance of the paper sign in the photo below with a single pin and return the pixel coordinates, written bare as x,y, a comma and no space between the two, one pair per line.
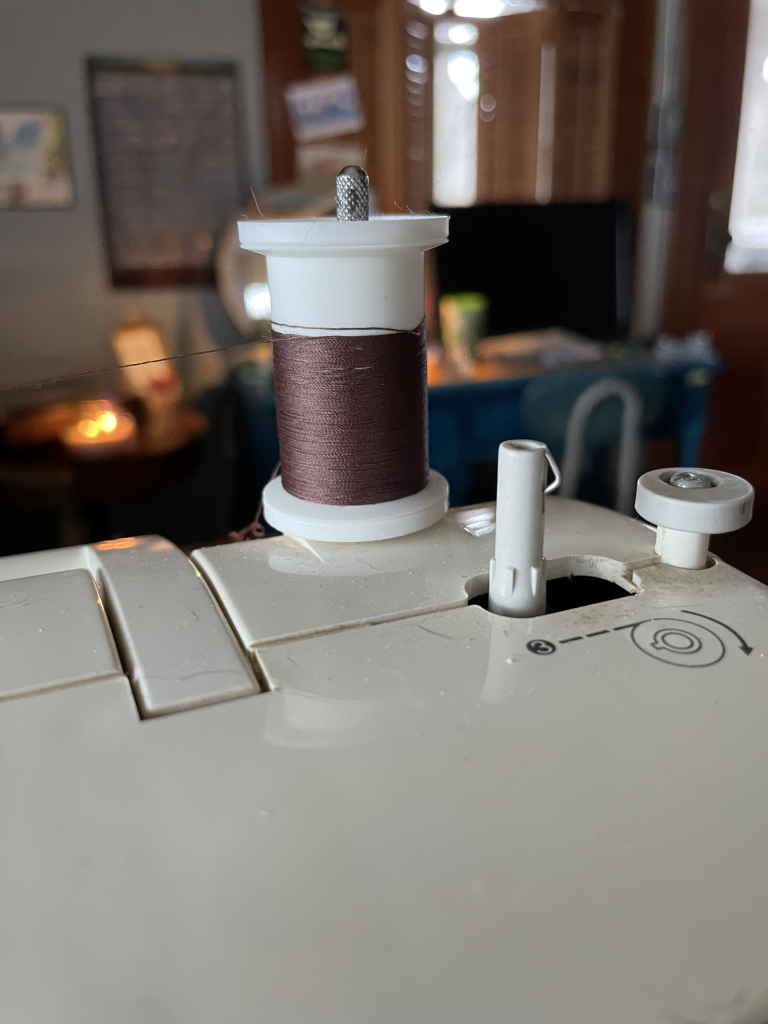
322,108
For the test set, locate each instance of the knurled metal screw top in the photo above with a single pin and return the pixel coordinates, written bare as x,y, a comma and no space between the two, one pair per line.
690,480
352,194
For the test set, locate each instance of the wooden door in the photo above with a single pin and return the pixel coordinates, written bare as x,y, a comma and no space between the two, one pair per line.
549,81
510,53
585,37
284,63
546,116
699,292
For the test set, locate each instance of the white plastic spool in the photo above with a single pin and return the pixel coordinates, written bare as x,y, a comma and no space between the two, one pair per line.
330,277
517,576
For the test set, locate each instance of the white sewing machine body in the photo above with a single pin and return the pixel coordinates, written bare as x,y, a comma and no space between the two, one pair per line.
294,781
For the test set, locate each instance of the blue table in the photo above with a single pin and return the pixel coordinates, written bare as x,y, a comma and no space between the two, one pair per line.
468,420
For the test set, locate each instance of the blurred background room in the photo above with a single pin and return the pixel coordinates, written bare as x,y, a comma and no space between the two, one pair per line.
604,289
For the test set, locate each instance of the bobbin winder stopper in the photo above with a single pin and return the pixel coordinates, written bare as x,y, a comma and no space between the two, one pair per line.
352,194
686,505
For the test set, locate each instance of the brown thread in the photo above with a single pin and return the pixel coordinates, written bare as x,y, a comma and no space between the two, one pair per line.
62,378
255,530
352,415
351,330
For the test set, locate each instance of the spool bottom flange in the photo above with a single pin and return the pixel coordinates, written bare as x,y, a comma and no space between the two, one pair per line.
355,523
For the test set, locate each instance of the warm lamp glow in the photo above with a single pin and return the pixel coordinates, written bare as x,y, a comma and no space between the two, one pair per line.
88,428
102,428
142,355
107,421
117,545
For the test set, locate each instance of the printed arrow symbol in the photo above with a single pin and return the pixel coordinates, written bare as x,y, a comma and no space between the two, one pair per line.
742,642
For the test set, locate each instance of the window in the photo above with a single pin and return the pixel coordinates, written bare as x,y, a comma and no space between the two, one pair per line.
456,84
748,223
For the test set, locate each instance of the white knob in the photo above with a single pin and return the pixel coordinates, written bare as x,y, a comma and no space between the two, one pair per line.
687,505
516,582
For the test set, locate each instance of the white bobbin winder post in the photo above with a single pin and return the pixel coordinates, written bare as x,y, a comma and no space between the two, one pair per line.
517,577
687,505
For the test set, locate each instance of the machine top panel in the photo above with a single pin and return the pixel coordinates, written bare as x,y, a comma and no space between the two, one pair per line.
53,633
446,818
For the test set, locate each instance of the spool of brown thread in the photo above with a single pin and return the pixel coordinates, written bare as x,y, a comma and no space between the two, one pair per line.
350,370
352,415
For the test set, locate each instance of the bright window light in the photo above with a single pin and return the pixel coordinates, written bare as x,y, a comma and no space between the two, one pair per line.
463,71
454,151
415,62
748,224
479,8
258,305
462,35
456,32
494,8
434,6
417,29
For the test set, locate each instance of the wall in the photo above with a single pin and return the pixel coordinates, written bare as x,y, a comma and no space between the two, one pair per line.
57,306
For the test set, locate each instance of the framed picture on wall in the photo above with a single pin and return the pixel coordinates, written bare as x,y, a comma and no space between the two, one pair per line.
35,168
170,153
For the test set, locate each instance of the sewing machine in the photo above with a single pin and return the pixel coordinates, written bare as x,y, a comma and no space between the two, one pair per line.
288,780
398,764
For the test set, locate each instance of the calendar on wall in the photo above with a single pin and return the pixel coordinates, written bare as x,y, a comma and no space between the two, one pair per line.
171,164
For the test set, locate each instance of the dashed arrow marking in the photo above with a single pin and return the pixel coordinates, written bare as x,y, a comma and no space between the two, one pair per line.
744,646
742,642
601,632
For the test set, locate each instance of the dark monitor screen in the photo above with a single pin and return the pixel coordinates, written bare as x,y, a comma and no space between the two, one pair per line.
559,265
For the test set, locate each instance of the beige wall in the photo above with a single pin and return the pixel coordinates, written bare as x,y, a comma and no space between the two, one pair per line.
57,306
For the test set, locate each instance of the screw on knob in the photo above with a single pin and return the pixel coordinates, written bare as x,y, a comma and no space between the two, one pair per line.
690,481
352,194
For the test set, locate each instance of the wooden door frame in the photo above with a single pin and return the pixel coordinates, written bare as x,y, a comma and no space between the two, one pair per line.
714,52
734,307
633,97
